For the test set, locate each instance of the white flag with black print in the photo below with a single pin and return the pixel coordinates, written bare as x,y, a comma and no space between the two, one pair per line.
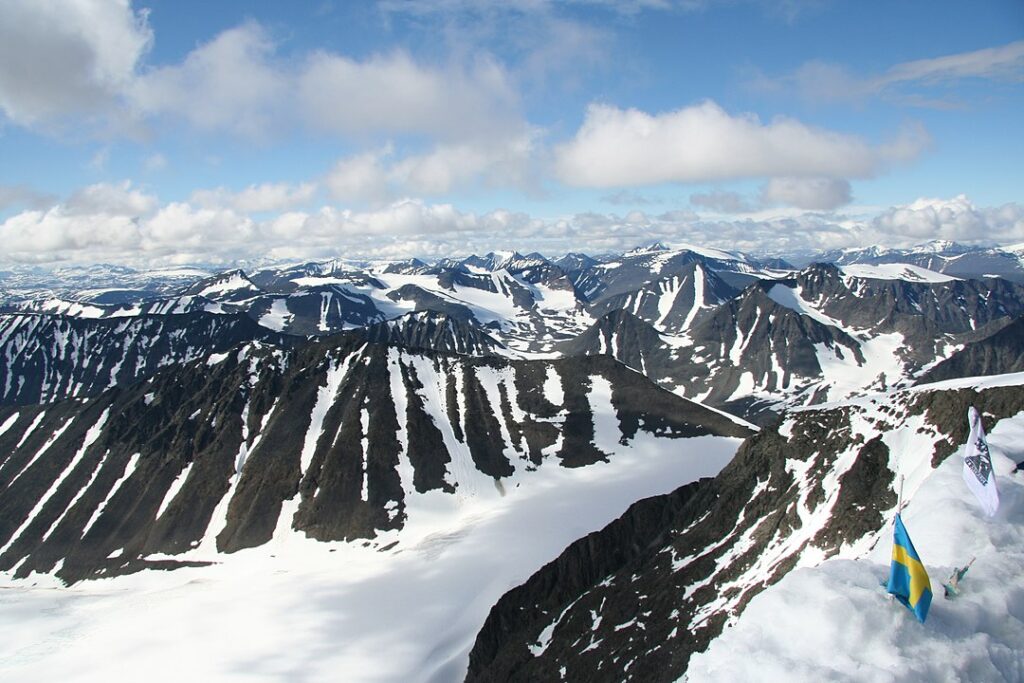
978,473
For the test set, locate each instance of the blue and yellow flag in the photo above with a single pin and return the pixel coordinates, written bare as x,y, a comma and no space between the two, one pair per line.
908,580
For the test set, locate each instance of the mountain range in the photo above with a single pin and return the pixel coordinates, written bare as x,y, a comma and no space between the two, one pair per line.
633,446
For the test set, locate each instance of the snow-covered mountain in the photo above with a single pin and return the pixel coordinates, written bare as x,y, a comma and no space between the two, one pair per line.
99,284
636,600
942,256
787,338
1000,353
674,303
346,459
45,358
340,440
821,335
631,271
436,332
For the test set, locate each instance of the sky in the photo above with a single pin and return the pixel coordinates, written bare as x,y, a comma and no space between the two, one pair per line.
163,132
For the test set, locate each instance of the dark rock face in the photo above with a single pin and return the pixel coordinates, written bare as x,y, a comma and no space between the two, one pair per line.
921,311
757,352
672,304
313,310
750,339
232,285
1002,352
635,600
633,271
46,358
428,301
330,438
434,331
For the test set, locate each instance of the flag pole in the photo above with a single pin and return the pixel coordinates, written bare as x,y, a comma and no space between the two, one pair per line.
899,499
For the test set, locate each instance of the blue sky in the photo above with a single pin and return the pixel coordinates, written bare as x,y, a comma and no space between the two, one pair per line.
162,132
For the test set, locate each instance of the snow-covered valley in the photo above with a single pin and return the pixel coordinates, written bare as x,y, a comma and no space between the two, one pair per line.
302,610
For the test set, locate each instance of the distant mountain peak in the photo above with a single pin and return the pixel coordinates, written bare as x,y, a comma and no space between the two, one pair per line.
648,249
941,247
230,283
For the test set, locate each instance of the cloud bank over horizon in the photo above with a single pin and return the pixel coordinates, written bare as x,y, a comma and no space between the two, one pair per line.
121,224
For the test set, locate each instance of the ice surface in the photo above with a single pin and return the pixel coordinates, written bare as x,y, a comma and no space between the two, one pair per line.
301,610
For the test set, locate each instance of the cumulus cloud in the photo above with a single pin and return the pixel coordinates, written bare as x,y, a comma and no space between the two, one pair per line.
360,178
109,199
65,61
117,223
238,83
818,194
616,147
228,83
114,223
265,197
59,59
378,176
956,219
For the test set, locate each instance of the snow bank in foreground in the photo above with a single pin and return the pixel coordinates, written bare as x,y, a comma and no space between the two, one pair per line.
835,622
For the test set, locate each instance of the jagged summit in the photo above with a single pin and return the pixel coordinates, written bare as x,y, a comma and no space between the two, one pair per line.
232,285
436,331
647,249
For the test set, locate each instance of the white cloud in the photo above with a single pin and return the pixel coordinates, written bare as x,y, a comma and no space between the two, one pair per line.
265,197
120,224
230,83
818,194
950,219
109,199
180,227
616,147
442,169
360,178
904,82
82,61
1005,62
59,58
57,234
379,176
395,94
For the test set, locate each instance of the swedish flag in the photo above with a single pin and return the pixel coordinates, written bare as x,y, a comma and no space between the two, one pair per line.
908,580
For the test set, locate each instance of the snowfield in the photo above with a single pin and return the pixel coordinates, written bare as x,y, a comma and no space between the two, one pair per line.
835,622
301,610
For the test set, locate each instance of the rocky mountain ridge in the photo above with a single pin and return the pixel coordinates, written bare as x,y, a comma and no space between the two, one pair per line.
333,438
637,599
